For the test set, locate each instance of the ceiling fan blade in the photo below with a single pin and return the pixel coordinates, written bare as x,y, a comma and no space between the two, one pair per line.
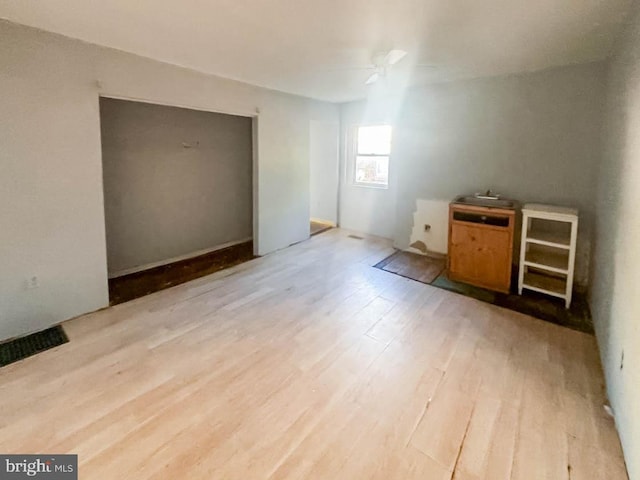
373,78
394,56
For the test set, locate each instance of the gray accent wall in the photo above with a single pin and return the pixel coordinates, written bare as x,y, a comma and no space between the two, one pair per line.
176,181
615,283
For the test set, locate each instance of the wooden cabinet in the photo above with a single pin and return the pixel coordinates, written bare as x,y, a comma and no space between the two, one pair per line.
481,246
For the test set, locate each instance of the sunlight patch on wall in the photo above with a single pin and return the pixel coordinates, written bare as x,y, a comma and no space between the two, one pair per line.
435,214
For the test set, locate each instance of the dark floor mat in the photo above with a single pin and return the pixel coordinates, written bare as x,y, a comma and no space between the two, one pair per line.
465,289
135,285
537,305
24,347
412,265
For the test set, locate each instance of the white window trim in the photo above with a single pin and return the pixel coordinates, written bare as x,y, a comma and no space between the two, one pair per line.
354,154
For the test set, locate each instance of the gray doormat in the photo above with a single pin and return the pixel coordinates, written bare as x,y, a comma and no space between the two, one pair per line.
411,265
537,305
24,347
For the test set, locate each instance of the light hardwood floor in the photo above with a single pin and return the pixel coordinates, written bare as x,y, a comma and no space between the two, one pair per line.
309,363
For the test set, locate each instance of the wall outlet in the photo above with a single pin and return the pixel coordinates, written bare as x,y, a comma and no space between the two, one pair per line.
427,227
33,282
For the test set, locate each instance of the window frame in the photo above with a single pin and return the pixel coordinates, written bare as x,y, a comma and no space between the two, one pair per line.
355,155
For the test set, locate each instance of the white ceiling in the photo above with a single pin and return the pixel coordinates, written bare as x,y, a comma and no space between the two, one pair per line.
308,47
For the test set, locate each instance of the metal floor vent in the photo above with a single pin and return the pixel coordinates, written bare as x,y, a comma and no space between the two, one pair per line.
24,347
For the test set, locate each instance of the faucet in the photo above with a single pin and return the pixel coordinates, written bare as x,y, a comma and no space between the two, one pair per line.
488,195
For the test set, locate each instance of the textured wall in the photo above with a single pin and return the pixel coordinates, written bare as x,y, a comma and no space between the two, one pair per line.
616,274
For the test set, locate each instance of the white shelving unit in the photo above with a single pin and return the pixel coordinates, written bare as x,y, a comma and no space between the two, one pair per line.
548,250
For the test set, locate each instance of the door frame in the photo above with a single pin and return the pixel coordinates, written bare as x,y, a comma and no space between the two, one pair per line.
249,113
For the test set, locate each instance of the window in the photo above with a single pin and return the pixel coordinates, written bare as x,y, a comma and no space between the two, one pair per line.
373,147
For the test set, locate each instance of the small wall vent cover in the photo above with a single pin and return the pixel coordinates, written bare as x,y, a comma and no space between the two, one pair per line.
24,347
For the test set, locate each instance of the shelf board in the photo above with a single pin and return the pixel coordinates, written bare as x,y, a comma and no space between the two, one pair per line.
552,239
548,268
545,284
551,212
548,259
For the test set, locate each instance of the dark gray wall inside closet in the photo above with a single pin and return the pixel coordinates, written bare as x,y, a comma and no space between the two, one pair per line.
176,181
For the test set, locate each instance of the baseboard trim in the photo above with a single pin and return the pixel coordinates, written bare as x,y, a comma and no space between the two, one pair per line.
140,268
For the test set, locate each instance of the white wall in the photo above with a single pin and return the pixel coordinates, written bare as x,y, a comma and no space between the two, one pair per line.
615,302
323,162
51,200
366,209
534,137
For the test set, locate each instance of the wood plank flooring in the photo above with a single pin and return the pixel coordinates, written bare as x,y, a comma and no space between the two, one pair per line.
318,227
310,364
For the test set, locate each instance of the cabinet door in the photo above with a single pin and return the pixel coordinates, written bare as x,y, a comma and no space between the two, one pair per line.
481,255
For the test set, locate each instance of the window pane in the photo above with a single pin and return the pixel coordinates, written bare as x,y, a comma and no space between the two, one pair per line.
373,170
374,140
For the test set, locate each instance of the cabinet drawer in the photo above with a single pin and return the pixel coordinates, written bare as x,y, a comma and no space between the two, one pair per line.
482,218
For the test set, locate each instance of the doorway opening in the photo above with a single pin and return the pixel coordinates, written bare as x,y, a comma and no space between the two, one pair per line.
323,176
178,194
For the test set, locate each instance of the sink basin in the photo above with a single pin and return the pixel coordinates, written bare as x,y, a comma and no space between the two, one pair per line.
485,202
